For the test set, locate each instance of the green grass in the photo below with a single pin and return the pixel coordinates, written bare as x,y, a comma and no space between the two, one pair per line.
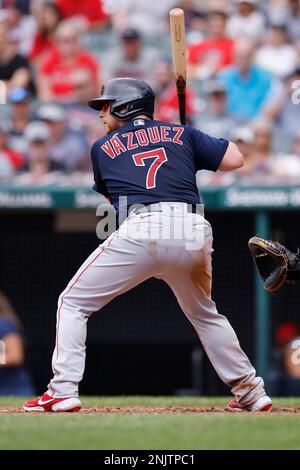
117,432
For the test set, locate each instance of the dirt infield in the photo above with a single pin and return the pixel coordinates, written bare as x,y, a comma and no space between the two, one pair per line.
150,410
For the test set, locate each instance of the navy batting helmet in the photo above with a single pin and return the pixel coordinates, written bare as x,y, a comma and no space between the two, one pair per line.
129,97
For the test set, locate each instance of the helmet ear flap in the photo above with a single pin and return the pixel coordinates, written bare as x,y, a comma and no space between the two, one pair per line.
125,111
132,108
122,110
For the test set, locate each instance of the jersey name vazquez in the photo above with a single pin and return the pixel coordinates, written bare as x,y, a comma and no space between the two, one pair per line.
142,138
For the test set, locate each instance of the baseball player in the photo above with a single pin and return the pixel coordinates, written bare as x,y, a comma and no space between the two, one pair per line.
153,165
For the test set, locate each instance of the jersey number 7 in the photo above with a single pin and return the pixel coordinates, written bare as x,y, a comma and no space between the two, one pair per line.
160,158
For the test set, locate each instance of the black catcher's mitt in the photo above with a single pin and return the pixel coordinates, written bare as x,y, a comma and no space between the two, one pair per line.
276,265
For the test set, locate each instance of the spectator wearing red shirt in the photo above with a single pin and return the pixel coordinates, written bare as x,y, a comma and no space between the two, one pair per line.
48,17
207,57
166,95
91,10
55,74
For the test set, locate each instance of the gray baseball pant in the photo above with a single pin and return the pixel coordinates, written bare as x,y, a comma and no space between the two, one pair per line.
151,244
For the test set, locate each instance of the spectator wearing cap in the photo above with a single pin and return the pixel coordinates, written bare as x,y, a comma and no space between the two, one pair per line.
248,86
208,57
19,100
243,137
166,108
10,161
67,147
48,17
54,76
284,110
215,119
39,163
277,55
247,21
14,68
131,58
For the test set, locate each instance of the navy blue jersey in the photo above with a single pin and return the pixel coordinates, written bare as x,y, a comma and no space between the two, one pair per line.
154,161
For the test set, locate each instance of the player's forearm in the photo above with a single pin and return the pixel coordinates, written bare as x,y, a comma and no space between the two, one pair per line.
233,158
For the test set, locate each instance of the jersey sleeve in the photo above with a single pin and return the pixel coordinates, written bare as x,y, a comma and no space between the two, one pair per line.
209,151
99,185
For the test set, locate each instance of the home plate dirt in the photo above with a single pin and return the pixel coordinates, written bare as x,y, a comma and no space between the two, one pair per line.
150,410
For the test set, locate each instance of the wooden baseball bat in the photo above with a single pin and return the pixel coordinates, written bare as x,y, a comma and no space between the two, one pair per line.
179,58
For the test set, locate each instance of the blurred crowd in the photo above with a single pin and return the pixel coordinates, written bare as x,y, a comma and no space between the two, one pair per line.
243,80
284,373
